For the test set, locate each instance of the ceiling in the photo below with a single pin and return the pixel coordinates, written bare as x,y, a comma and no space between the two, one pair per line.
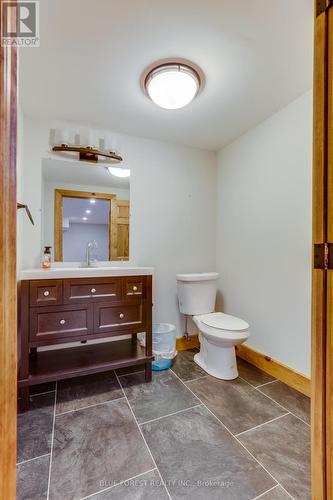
256,56
74,209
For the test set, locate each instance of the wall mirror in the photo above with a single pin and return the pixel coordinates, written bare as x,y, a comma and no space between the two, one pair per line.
84,204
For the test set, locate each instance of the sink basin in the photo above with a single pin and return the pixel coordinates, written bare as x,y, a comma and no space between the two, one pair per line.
82,272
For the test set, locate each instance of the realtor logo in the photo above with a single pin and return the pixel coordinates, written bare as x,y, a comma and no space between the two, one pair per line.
20,23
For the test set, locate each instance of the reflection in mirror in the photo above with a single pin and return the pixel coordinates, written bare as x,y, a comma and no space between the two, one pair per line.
82,222
85,212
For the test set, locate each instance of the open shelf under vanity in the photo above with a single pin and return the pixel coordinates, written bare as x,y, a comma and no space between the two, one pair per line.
59,364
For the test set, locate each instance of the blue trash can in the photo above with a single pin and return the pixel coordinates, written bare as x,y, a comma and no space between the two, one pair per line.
164,346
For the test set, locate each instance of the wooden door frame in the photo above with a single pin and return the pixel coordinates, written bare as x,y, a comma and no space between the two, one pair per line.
59,195
322,278
8,318
329,279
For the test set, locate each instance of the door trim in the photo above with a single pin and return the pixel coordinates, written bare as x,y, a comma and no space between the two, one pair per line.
322,279
59,195
8,316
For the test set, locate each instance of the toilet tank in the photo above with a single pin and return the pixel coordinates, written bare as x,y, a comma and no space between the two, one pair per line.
197,293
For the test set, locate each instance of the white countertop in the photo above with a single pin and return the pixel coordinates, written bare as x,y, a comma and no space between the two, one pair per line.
61,271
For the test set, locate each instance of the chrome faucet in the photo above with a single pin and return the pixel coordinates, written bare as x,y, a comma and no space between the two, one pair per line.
90,245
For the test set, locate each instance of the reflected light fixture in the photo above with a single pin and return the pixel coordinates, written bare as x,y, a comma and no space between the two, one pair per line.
119,171
88,211
84,218
172,85
92,201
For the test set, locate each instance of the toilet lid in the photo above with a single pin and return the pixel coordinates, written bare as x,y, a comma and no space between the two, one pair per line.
224,322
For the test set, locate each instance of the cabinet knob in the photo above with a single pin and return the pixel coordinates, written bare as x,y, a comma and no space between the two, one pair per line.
121,316
46,293
135,288
93,290
62,321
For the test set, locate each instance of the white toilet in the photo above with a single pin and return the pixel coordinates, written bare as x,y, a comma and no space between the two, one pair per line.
219,333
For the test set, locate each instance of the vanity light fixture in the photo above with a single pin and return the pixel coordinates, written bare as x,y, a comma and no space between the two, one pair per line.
119,171
92,201
87,153
172,85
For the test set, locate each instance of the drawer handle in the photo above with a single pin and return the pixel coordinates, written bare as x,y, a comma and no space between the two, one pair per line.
121,316
135,288
93,290
62,321
46,293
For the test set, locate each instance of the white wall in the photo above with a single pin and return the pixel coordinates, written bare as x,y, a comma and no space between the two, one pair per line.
75,241
264,233
21,214
173,206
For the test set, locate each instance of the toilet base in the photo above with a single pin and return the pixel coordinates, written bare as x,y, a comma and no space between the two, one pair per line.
219,362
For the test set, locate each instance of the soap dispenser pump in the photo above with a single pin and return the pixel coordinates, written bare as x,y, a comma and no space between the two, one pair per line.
46,262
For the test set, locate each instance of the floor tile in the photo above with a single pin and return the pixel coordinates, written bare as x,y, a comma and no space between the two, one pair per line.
238,405
164,395
199,459
34,428
93,446
293,400
80,392
32,479
276,494
252,374
145,487
283,447
47,387
185,367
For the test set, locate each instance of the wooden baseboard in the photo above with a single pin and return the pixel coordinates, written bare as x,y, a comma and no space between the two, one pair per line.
267,364
183,343
278,370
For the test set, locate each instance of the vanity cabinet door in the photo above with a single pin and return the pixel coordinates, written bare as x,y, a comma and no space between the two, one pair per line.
92,290
108,318
46,292
66,322
134,287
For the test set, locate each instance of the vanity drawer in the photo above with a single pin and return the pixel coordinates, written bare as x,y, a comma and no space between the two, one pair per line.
46,293
92,290
60,322
135,287
123,317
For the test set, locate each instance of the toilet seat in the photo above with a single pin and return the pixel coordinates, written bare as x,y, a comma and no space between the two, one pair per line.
223,321
219,325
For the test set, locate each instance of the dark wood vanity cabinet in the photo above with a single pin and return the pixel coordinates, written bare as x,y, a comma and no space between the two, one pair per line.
59,311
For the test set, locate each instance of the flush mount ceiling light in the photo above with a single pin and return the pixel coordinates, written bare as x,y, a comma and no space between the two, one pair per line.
172,85
119,171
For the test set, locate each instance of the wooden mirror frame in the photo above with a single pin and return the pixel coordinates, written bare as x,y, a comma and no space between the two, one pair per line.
59,195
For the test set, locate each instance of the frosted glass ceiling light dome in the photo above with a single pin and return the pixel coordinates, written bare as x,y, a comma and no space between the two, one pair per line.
119,171
172,85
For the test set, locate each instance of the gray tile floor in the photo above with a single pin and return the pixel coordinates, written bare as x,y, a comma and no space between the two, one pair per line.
184,435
